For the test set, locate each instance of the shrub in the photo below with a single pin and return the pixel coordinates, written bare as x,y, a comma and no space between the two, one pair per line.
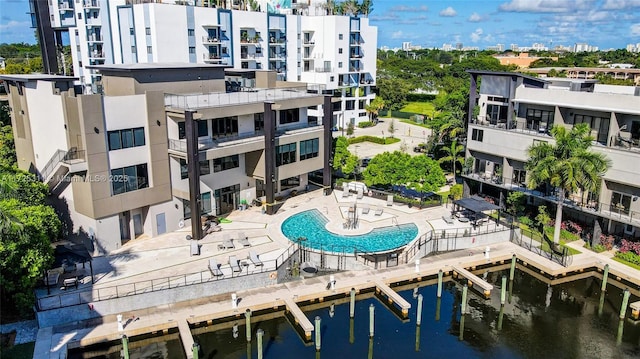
365,124
374,139
525,220
607,241
630,246
629,257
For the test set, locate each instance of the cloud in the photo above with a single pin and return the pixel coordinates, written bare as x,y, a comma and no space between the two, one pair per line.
620,4
403,8
545,6
448,12
475,17
389,17
12,24
635,29
476,35
397,35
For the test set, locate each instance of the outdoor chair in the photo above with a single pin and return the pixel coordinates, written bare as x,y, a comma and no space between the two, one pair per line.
243,239
227,243
365,210
390,200
360,193
195,248
214,267
234,264
253,257
345,193
378,211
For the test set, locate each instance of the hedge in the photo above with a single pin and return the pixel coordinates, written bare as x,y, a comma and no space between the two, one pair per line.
365,124
374,139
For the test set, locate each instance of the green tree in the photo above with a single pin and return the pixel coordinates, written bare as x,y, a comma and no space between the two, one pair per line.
5,114
454,153
456,191
366,7
397,168
568,165
394,92
392,128
7,147
350,129
515,202
374,108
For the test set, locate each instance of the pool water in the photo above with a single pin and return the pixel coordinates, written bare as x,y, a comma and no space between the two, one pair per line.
536,323
311,225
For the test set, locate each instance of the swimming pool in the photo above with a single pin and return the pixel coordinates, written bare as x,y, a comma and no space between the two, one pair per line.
311,225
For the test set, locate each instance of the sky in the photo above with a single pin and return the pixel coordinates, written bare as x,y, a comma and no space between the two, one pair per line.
429,23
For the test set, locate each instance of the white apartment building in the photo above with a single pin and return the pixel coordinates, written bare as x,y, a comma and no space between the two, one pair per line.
300,43
516,111
118,160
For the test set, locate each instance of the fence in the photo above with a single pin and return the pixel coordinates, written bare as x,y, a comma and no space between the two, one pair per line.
560,256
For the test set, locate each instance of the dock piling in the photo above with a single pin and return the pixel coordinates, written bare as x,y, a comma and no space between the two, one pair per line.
620,330
625,302
601,304
371,320
512,272
461,335
352,337
438,302
259,335
318,336
439,294
419,315
418,338
417,265
234,301
605,275
463,305
500,316
503,290
247,316
125,347
352,303
195,350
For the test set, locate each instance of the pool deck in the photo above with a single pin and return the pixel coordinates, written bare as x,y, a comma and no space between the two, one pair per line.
169,255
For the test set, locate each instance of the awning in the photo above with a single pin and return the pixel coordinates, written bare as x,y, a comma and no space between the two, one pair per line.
476,204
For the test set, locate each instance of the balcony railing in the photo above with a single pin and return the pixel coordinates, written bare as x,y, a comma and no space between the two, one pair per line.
210,100
91,4
210,40
615,212
323,69
94,38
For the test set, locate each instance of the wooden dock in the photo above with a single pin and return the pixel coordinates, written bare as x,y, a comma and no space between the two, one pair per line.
186,338
393,297
474,280
300,318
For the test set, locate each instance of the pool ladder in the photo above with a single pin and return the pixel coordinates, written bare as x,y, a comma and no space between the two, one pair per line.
394,220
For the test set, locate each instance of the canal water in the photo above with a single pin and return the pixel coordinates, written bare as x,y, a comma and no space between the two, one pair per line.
538,321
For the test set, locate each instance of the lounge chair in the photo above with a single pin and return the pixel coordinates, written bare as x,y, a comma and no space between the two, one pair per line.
243,239
345,192
365,210
360,193
390,200
234,263
378,211
253,257
214,267
227,243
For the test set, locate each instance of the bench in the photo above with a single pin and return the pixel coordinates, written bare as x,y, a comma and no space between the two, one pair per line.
70,282
447,219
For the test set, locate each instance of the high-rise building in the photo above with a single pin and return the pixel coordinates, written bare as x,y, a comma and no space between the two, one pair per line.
300,43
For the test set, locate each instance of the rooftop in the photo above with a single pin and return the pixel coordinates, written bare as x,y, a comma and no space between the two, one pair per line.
36,77
155,66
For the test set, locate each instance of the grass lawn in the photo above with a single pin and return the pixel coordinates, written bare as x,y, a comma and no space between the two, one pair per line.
20,351
544,244
415,124
632,265
422,108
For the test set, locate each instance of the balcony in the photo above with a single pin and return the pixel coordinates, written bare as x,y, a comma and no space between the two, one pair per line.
208,40
248,57
355,55
65,6
606,210
275,41
210,26
96,55
308,43
91,4
211,58
94,38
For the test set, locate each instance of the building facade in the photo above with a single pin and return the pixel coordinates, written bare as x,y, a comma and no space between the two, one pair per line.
301,43
516,111
118,160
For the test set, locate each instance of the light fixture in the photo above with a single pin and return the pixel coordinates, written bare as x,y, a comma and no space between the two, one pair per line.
158,122
96,130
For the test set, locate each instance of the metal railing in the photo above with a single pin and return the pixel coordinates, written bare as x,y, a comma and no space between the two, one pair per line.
152,285
209,100
560,256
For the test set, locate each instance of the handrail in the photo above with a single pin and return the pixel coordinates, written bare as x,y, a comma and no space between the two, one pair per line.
51,164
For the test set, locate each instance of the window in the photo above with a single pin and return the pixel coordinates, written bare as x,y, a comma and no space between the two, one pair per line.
312,120
620,202
289,183
132,137
147,31
79,16
477,135
223,127
184,169
339,36
127,179
132,31
309,149
519,177
182,132
226,163
205,205
340,64
331,79
289,116
149,50
285,154
599,126
203,128
539,120
340,50
133,49
76,32
78,48
192,49
205,167
258,121
191,32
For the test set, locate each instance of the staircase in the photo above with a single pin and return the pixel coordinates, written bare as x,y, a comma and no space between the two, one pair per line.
61,164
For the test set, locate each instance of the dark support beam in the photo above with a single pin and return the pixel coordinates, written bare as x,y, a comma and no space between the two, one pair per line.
513,83
473,97
46,35
269,156
327,122
193,169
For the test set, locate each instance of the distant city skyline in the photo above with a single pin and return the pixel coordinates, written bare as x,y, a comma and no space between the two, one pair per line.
602,23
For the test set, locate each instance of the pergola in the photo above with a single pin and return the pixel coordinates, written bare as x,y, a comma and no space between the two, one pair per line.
476,204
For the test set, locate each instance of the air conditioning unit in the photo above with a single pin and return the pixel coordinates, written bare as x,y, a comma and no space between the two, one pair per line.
629,229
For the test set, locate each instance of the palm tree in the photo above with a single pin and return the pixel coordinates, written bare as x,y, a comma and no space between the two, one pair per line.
366,7
8,190
350,7
452,127
374,108
452,155
568,165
